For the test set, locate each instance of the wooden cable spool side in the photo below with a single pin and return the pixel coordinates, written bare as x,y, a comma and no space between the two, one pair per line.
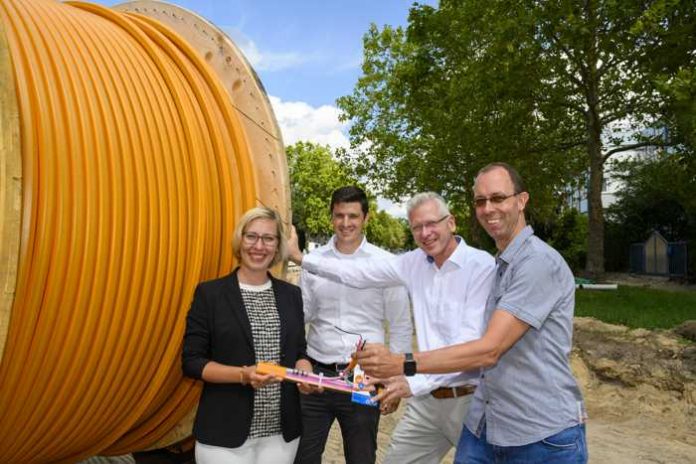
134,166
10,187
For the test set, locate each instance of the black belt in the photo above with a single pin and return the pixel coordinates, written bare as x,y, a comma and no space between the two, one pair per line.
335,367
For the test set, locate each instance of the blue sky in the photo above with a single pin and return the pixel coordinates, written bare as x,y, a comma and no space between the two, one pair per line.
306,52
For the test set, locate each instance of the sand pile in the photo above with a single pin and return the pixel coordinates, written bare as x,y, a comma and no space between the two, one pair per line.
640,389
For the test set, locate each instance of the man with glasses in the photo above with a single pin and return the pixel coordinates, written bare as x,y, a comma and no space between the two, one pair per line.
448,282
528,407
338,317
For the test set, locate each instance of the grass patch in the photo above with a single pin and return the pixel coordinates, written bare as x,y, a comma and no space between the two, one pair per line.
637,307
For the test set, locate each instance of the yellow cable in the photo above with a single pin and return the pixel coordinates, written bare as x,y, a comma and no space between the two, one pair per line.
135,169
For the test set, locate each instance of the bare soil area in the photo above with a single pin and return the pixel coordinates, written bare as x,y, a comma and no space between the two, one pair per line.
640,389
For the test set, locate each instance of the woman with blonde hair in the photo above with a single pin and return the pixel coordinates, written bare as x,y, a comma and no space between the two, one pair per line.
235,322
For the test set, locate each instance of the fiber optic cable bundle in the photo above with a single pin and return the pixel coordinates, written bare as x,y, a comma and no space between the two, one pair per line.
131,141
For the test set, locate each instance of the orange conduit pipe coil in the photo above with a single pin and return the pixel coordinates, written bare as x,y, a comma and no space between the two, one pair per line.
134,167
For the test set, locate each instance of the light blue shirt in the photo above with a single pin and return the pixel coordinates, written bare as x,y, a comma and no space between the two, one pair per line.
531,393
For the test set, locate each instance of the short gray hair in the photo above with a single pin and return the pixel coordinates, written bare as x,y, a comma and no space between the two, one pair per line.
419,198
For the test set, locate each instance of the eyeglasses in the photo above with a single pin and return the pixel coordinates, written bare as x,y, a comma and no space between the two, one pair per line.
496,199
250,238
418,229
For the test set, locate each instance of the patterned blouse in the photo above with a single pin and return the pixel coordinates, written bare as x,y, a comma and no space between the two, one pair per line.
260,304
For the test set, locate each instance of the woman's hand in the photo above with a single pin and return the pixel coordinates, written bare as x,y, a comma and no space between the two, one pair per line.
305,366
256,380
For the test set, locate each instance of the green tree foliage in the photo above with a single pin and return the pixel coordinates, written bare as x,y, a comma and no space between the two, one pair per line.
385,230
314,175
658,194
671,63
567,233
554,87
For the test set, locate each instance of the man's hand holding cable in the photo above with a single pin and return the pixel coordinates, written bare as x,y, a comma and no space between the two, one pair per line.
377,361
391,390
293,247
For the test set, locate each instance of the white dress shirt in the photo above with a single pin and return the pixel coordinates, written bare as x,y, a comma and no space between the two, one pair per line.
328,304
448,302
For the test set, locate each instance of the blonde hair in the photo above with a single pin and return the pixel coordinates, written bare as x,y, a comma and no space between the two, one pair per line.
253,214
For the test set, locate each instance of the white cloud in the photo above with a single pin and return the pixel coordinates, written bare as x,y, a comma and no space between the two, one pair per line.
265,60
394,209
301,121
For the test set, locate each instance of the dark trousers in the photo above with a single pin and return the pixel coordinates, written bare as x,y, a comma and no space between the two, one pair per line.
358,427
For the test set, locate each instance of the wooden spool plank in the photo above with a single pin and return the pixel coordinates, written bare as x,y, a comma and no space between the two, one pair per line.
10,187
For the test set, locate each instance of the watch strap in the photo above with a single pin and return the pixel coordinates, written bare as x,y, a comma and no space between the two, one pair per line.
409,364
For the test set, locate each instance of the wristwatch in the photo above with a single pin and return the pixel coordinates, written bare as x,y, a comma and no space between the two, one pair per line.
409,364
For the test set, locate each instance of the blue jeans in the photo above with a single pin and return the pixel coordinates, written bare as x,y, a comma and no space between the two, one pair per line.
566,447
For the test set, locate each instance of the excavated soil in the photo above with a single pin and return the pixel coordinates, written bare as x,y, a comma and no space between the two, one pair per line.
640,389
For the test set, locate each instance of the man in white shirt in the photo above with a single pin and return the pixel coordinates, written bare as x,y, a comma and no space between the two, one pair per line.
449,282
338,316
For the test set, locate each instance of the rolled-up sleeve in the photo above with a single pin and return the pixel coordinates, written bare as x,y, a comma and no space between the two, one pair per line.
397,309
196,347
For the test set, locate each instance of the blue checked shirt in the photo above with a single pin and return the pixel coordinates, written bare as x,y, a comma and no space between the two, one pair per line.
531,393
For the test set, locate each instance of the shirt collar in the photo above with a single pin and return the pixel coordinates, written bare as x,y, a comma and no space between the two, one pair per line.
360,250
514,247
457,256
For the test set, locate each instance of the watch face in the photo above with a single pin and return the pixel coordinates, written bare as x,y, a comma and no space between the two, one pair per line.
409,365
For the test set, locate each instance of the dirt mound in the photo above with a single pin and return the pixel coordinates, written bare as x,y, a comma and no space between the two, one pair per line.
631,358
687,330
640,389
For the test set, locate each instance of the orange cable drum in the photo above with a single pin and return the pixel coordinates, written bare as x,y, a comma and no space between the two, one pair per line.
132,140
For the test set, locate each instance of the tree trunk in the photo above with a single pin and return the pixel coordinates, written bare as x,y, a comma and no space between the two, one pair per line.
595,233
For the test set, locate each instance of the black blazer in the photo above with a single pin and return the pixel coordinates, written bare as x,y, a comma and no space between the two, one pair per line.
218,329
